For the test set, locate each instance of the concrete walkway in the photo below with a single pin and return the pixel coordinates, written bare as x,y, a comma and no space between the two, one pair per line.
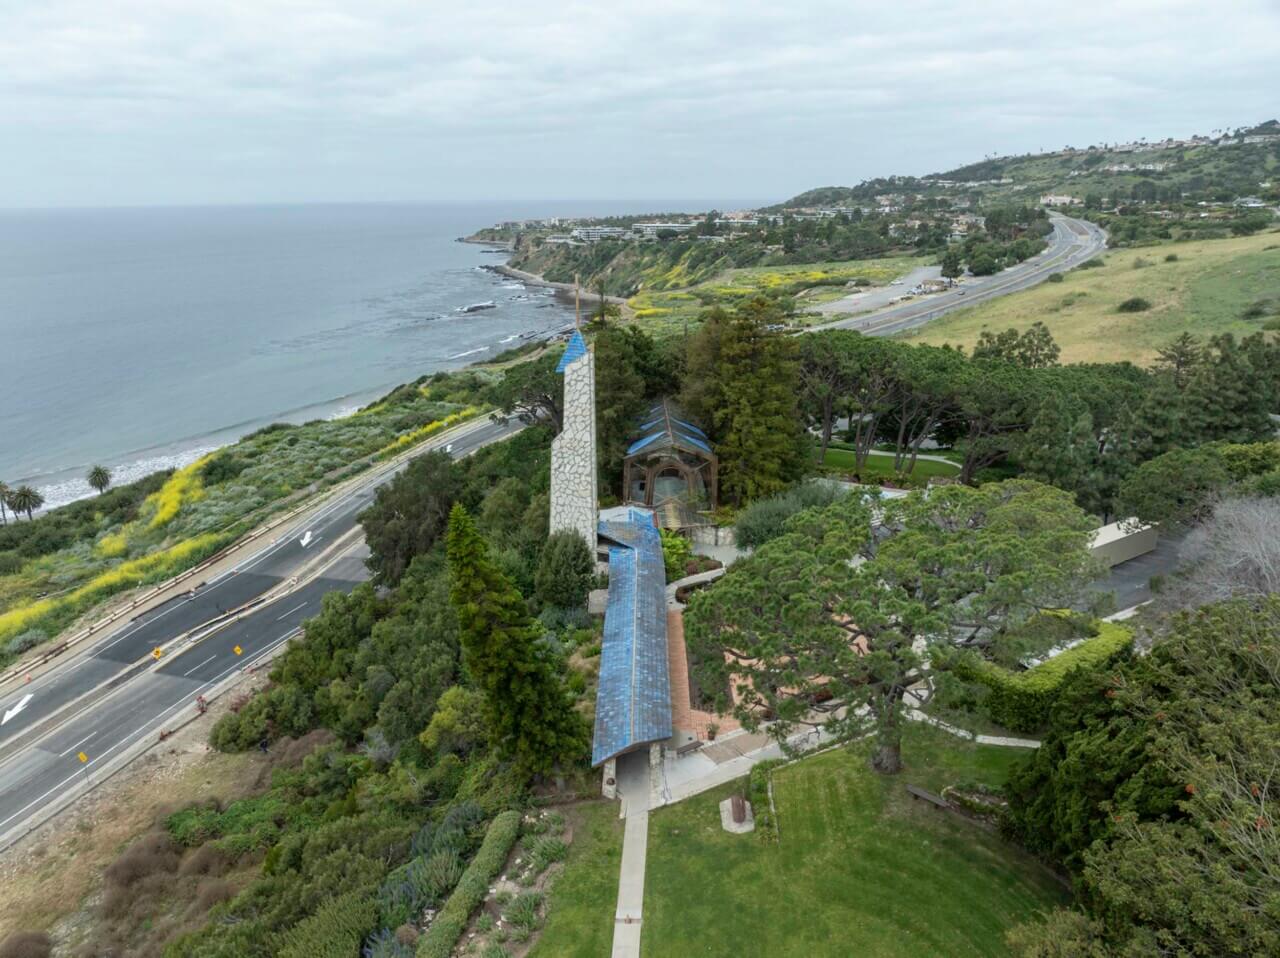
633,789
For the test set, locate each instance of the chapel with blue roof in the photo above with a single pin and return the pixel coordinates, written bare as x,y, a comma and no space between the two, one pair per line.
670,481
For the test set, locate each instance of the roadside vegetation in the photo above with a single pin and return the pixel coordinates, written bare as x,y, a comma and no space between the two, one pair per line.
60,565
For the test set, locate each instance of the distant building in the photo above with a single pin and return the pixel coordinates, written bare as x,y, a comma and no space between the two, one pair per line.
593,234
1059,199
653,229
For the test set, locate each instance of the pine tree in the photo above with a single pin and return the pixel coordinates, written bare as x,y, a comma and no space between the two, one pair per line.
530,717
740,380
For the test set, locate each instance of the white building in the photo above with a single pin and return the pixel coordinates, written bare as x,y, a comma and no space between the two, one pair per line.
592,234
653,229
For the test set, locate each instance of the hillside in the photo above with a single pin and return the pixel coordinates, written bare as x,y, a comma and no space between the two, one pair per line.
1194,169
1202,288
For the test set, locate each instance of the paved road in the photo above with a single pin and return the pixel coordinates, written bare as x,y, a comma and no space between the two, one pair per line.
34,762
140,707
1072,242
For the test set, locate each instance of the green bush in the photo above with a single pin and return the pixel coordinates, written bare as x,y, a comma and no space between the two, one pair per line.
449,925
565,570
1021,700
1171,258
676,550
334,931
545,851
758,796
1094,263
1056,277
763,519
1134,304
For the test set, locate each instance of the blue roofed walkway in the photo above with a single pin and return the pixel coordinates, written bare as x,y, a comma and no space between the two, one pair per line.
633,702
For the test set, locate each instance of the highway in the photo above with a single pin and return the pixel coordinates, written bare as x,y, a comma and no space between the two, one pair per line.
1072,242
114,693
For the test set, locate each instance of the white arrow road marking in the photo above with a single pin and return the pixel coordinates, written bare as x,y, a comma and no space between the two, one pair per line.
16,709
306,539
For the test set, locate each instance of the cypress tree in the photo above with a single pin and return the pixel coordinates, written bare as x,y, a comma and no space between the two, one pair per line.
529,714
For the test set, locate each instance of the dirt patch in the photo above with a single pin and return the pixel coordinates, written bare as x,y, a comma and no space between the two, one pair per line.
52,879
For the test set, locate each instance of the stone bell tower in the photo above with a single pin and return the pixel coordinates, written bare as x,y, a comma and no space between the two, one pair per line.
573,452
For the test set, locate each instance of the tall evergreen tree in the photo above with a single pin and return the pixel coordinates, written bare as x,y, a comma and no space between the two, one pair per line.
741,378
530,717
620,398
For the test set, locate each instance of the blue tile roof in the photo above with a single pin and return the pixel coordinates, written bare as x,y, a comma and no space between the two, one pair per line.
575,349
633,702
663,424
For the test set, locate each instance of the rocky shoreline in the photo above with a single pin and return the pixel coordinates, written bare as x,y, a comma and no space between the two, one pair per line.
533,279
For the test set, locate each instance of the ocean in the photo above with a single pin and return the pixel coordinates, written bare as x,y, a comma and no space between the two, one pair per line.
141,338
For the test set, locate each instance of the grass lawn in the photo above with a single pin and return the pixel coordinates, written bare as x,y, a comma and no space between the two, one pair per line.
860,869
582,901
1205,291
882,465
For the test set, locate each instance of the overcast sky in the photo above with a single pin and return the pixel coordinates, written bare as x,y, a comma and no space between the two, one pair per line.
111,102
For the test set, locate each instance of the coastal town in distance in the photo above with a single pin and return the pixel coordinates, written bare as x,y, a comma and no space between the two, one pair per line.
409,551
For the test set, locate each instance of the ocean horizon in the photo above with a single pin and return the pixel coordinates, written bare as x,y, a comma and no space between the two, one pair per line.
143,337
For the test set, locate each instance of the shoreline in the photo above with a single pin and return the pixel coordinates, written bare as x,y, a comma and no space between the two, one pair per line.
64,486
533,279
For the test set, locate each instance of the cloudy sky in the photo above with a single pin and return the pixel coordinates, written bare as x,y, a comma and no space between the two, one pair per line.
111,102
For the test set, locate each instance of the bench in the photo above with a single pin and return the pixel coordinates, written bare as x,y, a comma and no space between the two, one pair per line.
928,796
688,747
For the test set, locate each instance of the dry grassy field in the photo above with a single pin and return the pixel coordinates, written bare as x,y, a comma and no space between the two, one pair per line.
1204,288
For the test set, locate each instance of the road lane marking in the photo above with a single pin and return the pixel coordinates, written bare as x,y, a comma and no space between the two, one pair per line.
205,662
142,728
291,611
78,744
10,713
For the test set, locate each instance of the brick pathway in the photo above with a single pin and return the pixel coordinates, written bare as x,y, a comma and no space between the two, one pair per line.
684,717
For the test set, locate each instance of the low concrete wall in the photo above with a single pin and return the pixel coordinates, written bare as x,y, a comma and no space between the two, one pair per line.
1121,541
714,536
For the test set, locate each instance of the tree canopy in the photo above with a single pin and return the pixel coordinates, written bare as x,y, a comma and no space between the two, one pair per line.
527,709
831,623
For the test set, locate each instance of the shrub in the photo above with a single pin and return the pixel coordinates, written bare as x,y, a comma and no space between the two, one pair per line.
26,944
1141,263
565,569
210,892
1171,258
545,851
24,642
1021,700
763,519
676,550
154,853
10,562
1093,263
334,931
1134,304
444,932
1056,277
523,911
758,795
386,944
